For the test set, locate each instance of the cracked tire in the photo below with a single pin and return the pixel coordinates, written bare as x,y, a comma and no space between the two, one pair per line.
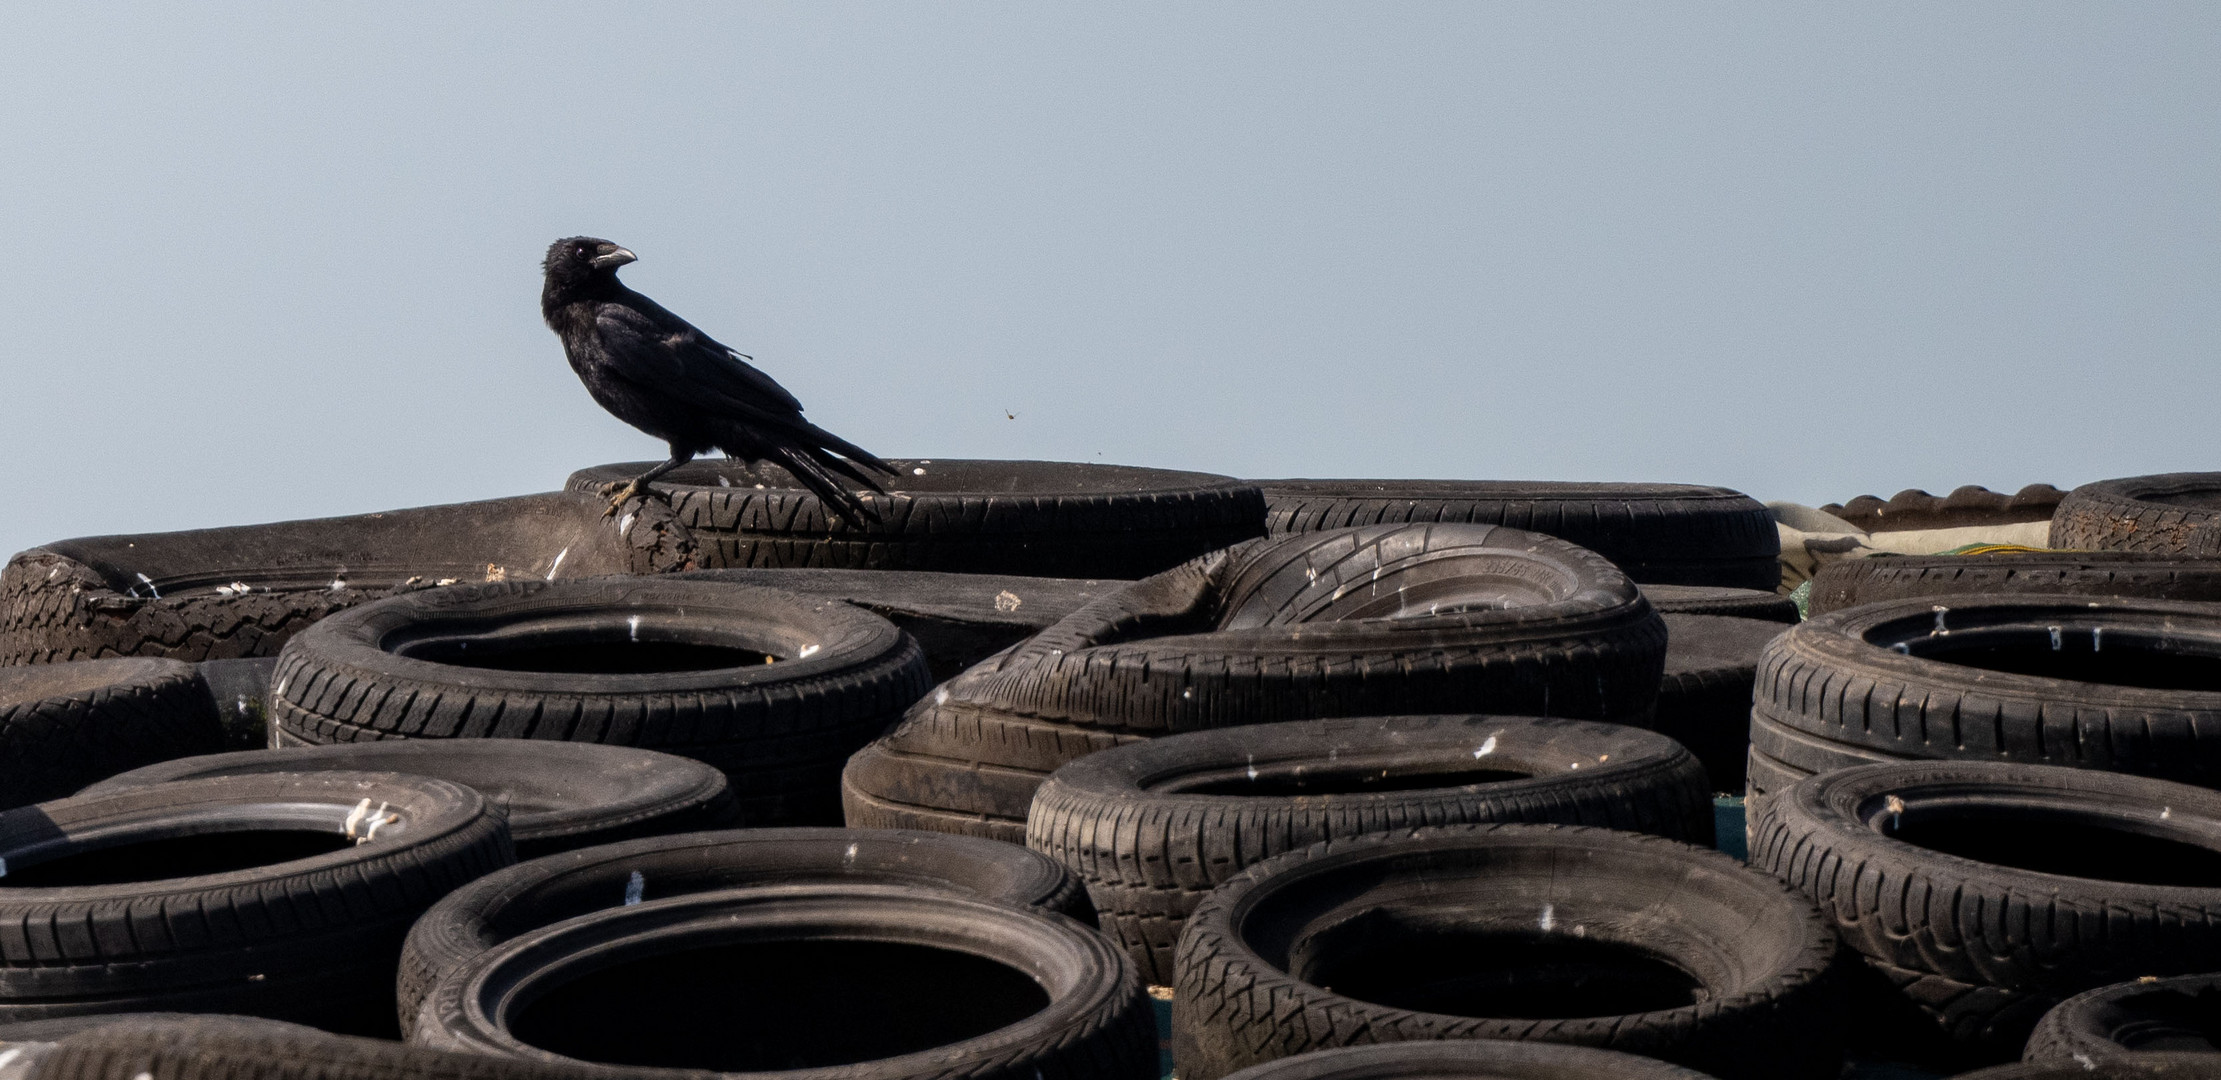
1440,933
1154,827
531,895
780,731
2017,885
1037,518
959,987
1667,534
558,795
63,726
2109,684
2175,514
239,894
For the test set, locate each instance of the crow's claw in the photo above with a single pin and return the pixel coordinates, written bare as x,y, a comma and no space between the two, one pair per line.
619,494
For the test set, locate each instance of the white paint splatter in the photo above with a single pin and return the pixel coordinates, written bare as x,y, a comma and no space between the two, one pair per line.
848,858
557,564
1549,919
2166,812
917,472
1940,611
1253,766
636,887
632,625
1488,746
941,697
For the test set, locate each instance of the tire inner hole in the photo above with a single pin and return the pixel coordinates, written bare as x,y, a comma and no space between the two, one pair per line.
2050,841
175,857
2175,1020
590,656
1321,777
1437,967
2110,658
768,1006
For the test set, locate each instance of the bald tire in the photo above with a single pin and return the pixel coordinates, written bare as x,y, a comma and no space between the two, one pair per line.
63,726
2163,514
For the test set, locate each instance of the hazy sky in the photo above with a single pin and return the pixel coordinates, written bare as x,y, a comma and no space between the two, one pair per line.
269,262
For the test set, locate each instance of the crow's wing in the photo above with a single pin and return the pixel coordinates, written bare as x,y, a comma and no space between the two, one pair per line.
670,356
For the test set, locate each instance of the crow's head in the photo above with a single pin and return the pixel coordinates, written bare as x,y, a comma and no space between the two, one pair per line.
578,259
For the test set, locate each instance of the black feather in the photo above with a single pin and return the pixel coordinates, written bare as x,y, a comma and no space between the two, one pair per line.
655,371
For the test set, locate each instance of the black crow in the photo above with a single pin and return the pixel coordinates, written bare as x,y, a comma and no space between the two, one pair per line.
655,371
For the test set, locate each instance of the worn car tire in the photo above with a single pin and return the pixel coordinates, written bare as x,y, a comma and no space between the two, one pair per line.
2165,514
1037,518
2180,1014
212,594
530,895
63,726
1851,582
558,795
1475,1059
1668,534
1713,600
2093,683
1591,937
780,731
2037,881
961,987
1704,697
1153,827
121,903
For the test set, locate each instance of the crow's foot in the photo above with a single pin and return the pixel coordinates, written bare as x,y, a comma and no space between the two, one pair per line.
619,494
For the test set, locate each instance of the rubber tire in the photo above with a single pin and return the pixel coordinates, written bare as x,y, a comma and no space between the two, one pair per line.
1297,627
1781,1019
531,895
2138,1067
2169,1015
2165,514
1831,677
1850,582
1474,1059
1704,697
1809,754
62,1027
2038,937
1035,518
63,726
559,796
780,731
1968,504
958,619
1150,850
313,940
1712,600
1666,534
1096,1025
203,1047
174,594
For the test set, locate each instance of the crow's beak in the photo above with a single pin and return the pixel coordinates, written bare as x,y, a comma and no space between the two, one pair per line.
613,259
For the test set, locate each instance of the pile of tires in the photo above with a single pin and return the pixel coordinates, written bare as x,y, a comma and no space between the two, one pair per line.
1381,620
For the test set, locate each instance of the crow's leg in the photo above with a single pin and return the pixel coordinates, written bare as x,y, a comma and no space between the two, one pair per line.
637,487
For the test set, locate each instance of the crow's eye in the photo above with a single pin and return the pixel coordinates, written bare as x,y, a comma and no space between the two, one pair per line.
582,249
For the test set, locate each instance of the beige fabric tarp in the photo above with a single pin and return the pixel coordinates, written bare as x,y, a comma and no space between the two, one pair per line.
1811,539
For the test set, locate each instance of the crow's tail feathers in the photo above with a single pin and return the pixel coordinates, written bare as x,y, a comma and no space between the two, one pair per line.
826,440
817,471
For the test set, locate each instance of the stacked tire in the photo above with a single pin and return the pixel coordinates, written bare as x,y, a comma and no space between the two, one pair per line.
1383,620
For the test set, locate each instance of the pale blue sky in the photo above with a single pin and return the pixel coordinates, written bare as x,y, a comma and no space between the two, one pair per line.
274,261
